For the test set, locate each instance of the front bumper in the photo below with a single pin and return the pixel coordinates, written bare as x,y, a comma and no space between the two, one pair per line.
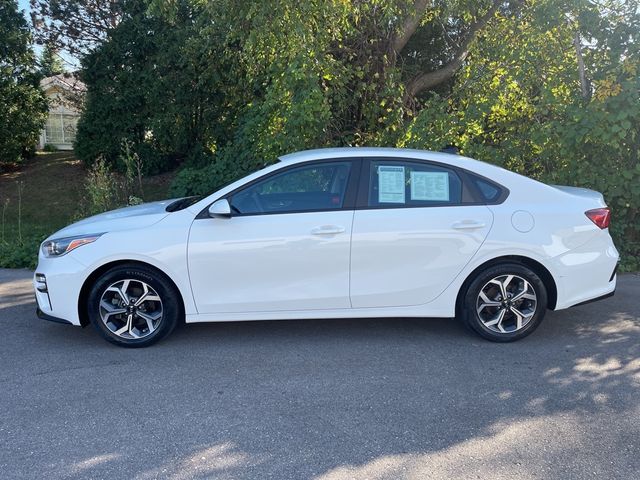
57,283
44,316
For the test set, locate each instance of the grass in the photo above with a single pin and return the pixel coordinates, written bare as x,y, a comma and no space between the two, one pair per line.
52,187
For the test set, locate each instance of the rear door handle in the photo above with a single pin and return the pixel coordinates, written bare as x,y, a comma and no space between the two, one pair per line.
327,230
467,225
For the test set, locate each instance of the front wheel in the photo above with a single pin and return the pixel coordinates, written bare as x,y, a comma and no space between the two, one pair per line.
133,306
505,303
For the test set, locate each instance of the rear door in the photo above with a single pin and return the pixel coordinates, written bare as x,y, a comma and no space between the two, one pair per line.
415,229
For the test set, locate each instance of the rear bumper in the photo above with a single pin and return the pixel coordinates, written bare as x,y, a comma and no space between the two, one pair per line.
587,273
597,299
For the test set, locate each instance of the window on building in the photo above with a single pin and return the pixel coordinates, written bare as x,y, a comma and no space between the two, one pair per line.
60,128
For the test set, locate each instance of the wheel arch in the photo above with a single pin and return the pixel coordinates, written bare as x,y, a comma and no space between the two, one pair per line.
538,268
93,276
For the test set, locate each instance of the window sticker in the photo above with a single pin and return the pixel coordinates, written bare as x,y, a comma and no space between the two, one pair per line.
390,184
431,186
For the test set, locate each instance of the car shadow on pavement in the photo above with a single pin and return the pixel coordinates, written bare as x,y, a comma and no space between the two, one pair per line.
325,399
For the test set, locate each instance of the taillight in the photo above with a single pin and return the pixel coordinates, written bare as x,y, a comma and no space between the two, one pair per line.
600,216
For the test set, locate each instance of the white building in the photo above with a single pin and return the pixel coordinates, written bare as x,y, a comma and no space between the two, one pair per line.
65,93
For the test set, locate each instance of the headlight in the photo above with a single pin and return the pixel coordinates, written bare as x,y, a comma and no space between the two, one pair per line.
60,246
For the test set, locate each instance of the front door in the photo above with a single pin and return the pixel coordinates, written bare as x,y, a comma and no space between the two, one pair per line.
286,246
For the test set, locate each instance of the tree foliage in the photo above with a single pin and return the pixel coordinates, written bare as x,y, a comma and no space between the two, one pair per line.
50,62
548,88
519,104
162,92
74,26
22,105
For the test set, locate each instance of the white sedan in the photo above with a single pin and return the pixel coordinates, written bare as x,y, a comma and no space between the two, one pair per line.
336,233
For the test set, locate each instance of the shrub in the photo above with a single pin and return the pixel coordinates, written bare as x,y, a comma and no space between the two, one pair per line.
102,188
21,254
107,190
133,168
227,166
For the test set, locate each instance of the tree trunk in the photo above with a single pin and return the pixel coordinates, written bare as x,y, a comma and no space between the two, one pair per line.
427,80
584,86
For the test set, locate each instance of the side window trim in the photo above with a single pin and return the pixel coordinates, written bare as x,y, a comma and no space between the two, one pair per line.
357,192
349,196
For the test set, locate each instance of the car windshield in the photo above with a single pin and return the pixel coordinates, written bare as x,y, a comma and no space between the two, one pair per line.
186,202
183,203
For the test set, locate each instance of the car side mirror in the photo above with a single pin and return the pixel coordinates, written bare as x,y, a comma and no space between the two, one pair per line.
220,209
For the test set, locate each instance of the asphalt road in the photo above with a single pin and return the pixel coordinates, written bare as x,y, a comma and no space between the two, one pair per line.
325,400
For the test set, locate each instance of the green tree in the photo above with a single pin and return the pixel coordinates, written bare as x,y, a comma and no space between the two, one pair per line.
118,76
22,104
331,73
155,82
50,62
547,88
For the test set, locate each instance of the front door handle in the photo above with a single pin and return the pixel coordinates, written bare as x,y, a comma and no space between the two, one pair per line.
467,225
327,230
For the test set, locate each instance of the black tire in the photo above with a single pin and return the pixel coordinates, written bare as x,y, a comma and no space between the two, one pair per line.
171,304
472,301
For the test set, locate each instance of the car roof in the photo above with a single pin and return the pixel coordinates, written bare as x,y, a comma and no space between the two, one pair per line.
349,152
498,174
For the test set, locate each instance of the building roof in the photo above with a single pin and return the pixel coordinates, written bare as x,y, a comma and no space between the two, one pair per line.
66,81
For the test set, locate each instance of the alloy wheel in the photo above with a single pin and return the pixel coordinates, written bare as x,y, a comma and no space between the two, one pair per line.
131,309
506,304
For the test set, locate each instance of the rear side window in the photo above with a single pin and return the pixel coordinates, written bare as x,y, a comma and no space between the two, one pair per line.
490,191
408,184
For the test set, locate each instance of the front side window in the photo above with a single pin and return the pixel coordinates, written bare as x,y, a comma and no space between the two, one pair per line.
320,186
399,184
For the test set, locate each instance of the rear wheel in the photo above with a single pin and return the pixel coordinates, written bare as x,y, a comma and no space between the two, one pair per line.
134,306
505,303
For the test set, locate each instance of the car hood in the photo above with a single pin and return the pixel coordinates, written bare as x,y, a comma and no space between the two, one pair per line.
138,216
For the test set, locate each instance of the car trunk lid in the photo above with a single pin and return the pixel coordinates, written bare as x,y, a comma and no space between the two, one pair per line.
591,197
